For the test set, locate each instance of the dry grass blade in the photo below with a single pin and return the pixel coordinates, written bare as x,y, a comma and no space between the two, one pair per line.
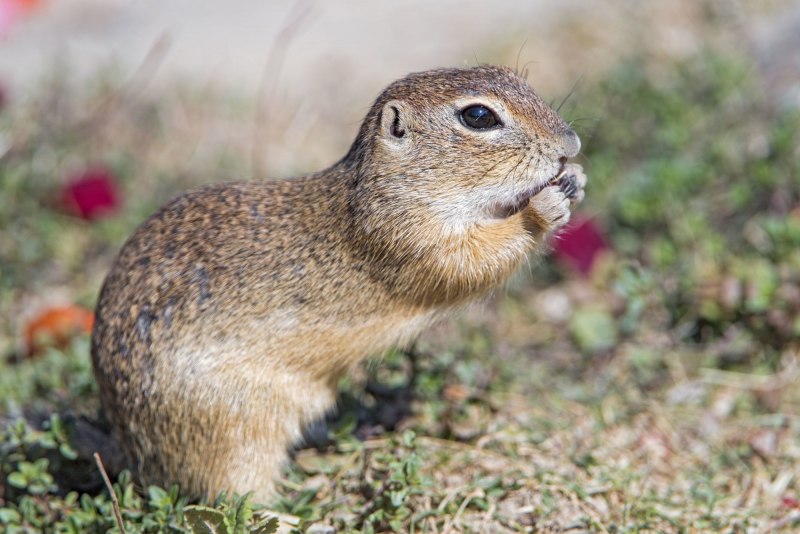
270,79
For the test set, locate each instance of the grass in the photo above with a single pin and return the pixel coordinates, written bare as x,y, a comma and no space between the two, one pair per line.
659,393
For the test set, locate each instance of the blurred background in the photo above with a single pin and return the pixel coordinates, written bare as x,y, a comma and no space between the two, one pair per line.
319,65
644,375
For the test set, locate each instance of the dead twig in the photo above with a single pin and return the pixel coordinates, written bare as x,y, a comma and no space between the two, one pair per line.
114,501
453,520
718,377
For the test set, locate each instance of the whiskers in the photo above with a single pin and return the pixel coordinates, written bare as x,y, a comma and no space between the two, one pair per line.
569,95
584,132
511,153
513,173
524,72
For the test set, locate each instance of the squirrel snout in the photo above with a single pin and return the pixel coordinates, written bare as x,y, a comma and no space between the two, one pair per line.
570,143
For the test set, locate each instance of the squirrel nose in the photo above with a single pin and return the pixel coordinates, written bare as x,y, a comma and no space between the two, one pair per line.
570,143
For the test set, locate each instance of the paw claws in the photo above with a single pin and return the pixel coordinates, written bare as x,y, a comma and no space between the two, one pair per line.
569,185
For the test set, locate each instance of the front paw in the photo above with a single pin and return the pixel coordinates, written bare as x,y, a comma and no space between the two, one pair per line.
572,182
550,208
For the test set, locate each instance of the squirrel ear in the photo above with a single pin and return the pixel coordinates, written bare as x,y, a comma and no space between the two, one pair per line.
395,121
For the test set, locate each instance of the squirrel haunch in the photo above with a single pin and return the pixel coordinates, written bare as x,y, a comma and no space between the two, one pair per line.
231,313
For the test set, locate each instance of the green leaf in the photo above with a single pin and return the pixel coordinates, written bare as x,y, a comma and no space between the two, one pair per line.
67,451
48,441
158,497
9,516
762,282
18,480
205,520
267,526
397,498
594,330
241,514
408,438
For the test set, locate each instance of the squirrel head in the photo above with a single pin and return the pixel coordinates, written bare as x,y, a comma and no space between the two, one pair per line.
465,146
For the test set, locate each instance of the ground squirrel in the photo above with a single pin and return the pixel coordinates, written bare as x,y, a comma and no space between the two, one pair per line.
231,314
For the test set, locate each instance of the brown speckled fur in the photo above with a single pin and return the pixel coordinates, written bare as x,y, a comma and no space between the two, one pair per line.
230,315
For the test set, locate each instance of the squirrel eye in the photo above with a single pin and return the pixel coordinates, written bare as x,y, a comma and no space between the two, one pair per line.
479,117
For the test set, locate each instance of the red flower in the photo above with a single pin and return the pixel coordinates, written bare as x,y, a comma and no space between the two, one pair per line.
790,502
579,243
91,194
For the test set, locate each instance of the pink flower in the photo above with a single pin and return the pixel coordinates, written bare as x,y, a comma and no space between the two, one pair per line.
91,194
579,243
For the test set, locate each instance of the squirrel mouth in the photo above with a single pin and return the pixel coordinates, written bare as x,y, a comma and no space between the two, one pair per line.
521,200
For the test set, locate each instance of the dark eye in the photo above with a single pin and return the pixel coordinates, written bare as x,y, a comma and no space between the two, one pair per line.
479,117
